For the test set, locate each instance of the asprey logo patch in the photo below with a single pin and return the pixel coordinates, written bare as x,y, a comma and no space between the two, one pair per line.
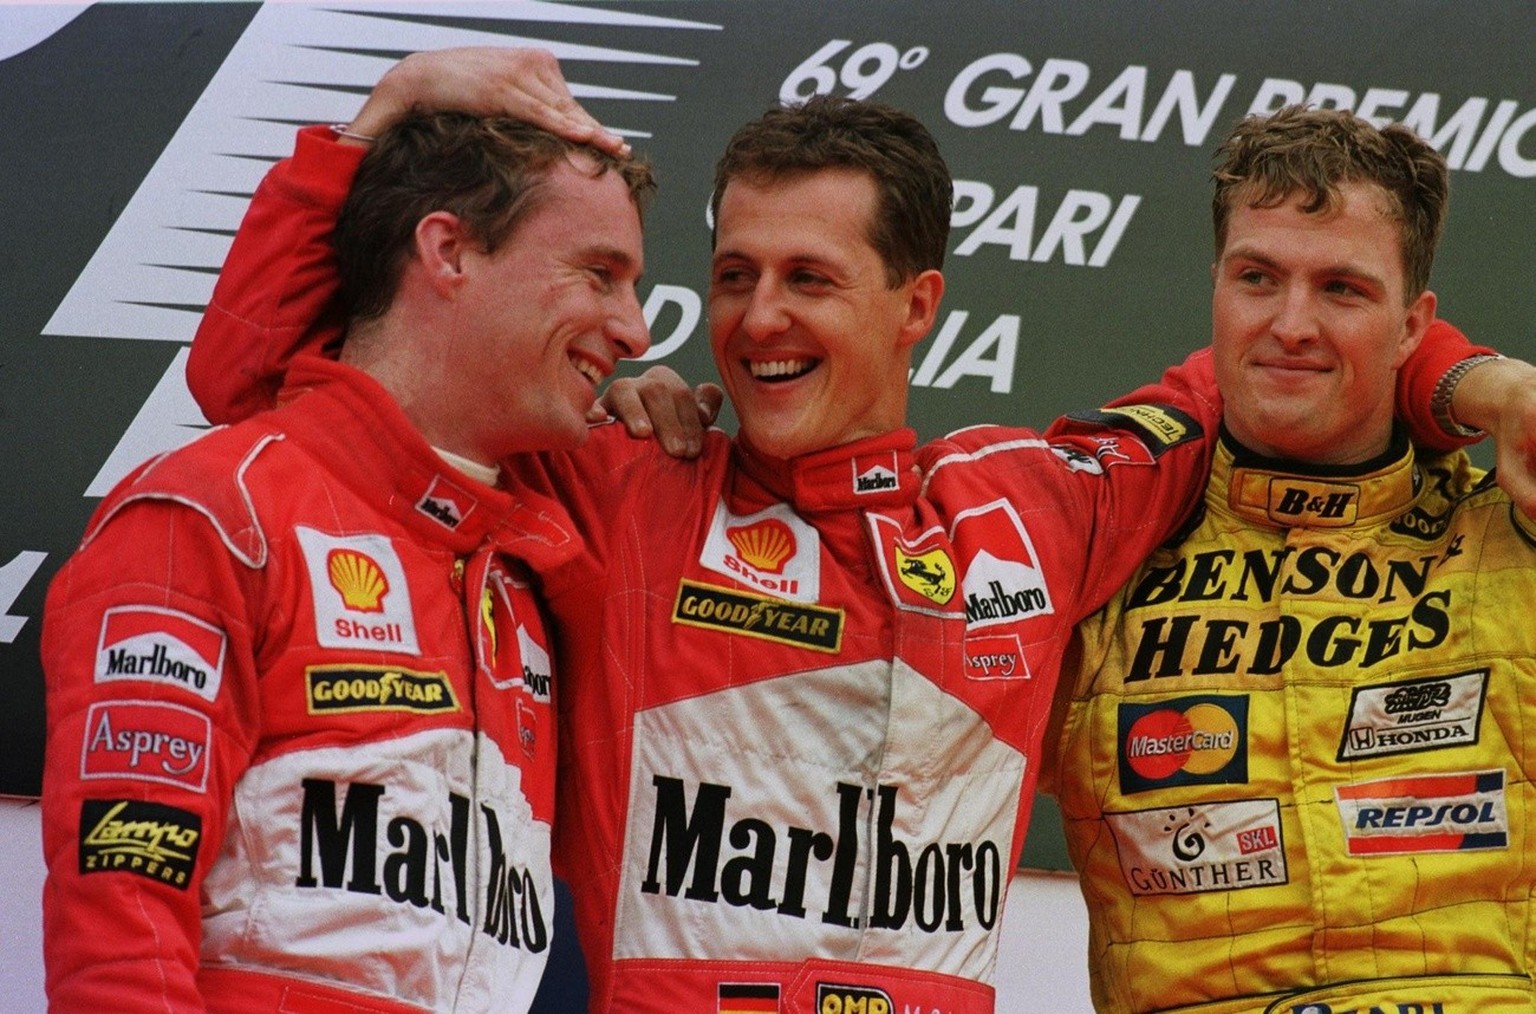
804,626
1002,580
774,551
446,503
340,689
360,593
1412,716
160,645
1225,846
1197,740
995,657
835,998
153,841
148,741
1425,813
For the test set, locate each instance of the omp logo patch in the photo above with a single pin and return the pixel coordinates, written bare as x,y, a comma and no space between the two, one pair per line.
930,574
1002,580
734,612
834,998
149,741
773,551
995,657
160,645
1221,846
1425,813
361,597
336,689
150,840
1293,500
1413,716
446,503
1197,740
747,998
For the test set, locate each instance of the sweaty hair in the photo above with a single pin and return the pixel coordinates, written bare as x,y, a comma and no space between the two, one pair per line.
910,229
1309,153
488,171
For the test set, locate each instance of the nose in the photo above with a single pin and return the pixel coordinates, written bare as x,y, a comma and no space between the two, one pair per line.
765,315
627,329
1295,320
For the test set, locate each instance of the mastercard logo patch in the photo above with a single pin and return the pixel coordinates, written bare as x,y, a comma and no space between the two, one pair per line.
1197,740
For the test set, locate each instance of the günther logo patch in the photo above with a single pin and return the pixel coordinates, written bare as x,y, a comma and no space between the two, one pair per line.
1222,846
773,551
147,839
1424,813
1196,740
148,741
334,689
734,612
160,645
359,590
1414,716
1002,580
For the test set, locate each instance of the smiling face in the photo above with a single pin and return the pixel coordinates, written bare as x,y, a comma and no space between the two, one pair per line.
1310,324
542,320
812,343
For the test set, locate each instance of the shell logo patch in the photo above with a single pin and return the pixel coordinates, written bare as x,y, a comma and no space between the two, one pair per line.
765,544
774,552
358,580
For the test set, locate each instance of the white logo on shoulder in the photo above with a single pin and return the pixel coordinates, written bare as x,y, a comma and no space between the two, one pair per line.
1003,582
360,593
773,551
160,645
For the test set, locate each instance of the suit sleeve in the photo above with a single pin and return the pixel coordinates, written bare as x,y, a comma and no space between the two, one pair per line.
1443,346
275,295
151,713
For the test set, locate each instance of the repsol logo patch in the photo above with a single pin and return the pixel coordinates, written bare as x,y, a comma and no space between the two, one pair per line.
1197,740
1425,813
149,840
834,998
333,689
805,626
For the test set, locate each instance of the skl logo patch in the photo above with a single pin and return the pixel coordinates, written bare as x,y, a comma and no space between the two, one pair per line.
361,598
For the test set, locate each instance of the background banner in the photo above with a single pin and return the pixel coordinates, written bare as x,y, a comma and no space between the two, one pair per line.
1079,133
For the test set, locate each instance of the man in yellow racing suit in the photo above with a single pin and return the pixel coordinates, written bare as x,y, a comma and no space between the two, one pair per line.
1295,755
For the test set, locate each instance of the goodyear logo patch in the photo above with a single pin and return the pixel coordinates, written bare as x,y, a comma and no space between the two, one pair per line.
930,574
149,840
333,689
832,998
1197,740
805,626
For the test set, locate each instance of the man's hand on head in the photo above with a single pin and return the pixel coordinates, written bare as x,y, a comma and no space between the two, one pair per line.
1499,396
521,83
660,403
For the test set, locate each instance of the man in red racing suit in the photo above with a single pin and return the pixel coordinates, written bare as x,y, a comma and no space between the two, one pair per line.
301,749
804,691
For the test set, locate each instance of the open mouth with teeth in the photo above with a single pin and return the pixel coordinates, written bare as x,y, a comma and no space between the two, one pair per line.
587,369
776,371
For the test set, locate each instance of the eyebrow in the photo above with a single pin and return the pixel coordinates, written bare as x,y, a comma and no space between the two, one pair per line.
1244,253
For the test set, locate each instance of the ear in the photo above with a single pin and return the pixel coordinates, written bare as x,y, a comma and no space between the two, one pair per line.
1421,313
442,241
923,296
